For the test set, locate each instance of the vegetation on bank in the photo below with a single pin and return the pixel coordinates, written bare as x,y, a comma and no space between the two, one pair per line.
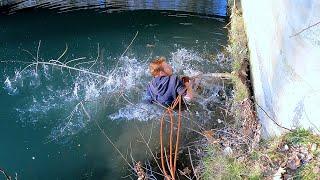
295,155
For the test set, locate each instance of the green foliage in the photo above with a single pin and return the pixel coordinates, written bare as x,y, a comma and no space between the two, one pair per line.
241,90
238,50
256,174
301,137
219,166
235,169
309,171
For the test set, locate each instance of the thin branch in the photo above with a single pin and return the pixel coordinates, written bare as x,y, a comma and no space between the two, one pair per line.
125,52
67,67
144,140
191,162
29,53
37,59
98,55
130,43
66,49
272,118
305,29
5,174
184,174
111,142
77,59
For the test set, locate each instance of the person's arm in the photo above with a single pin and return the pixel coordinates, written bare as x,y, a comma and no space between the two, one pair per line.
184,88
187,84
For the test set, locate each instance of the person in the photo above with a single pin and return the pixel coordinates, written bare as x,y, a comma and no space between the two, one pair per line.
166,87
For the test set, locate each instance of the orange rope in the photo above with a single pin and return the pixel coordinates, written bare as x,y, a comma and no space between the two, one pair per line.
161,146
170,141
178,135
172,162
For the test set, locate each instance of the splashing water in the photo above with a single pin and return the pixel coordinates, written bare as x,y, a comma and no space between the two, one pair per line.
43,108
130,77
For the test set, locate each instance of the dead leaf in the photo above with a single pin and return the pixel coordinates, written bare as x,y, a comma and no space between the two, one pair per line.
278,174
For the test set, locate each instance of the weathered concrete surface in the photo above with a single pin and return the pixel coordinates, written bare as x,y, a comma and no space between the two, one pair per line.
285,66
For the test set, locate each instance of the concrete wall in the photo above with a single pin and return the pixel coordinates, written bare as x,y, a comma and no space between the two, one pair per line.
285,67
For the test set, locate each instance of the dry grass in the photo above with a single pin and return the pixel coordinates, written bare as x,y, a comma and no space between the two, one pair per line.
238,50
244,134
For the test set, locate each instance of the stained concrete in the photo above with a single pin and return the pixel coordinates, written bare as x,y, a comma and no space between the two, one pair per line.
285,65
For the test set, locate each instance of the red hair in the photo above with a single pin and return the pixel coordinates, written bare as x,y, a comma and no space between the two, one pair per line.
156,66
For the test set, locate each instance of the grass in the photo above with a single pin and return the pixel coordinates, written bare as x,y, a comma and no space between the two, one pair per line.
266,159
263,162
301,137
240,90
310,171
216,164
238,50
219,166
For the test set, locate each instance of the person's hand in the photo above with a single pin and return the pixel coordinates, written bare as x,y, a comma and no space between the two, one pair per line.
186,81
188,85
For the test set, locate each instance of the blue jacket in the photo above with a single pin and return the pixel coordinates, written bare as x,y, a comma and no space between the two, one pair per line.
165,89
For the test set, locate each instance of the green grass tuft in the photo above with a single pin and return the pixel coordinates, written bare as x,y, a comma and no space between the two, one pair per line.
309,171
301,137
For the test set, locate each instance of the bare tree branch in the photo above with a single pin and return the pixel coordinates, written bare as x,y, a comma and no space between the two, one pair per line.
5,174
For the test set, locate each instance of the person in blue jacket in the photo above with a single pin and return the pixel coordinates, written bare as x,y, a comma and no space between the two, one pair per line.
165,87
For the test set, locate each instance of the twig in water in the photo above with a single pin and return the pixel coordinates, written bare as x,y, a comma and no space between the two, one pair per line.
144,140
111,142
182,173
98,55
191,162
29,53
37,59
64,52
125,51
5,174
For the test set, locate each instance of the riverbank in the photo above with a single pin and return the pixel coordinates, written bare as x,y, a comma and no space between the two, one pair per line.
237,151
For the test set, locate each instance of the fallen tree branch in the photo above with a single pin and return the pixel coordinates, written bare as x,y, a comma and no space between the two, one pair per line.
5,174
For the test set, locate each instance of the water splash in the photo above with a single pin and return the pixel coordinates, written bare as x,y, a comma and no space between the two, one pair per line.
56,92
9,88
139,111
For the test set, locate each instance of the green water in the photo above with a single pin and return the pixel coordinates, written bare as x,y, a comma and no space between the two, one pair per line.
38,140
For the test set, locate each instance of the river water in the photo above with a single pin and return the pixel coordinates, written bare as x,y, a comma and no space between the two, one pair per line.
49,115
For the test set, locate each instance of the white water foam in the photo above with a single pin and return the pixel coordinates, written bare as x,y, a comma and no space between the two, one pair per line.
130,76
9,88
139,111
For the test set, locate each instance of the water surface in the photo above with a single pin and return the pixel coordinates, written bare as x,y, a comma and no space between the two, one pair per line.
48,114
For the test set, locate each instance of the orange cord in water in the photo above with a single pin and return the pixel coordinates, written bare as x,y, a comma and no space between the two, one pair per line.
177,138
161,146
172,162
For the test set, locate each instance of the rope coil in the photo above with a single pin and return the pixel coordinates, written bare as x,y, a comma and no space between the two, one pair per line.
172,159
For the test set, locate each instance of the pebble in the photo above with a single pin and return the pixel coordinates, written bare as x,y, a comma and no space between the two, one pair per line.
313,147
227,151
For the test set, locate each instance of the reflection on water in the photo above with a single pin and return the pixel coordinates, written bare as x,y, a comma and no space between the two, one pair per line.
208,7
43,108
